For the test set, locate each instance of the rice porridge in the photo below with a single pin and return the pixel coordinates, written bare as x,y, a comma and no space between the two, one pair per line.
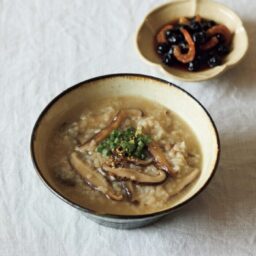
124,155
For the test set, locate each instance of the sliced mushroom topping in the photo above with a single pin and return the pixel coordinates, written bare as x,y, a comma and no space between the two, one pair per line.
106,175
121,116
183,182
131,192
160,158
120,161
93,178
135,175
190,55
128,190
140,162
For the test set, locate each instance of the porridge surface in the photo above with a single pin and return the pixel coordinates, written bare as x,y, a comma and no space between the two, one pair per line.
175,138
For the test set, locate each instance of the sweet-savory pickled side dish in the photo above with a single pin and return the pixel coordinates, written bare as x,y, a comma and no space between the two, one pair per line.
193,43
124,155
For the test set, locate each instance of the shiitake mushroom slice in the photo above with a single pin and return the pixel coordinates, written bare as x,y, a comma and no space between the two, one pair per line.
93,178
160,158
135,175
121,116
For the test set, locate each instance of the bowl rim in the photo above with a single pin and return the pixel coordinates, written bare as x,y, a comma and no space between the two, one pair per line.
222,68
107,215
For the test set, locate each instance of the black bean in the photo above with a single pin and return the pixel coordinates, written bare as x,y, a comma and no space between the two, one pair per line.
206,24
175,37
214,61
169,59
163,48
221,38
183,47
199,37
194,65
195,26
222,49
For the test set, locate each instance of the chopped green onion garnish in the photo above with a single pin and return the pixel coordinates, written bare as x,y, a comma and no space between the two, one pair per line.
129,142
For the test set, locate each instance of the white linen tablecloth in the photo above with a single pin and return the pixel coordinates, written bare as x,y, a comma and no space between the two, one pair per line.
47,46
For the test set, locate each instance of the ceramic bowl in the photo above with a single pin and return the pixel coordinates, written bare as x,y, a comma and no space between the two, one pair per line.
154,89
180,8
